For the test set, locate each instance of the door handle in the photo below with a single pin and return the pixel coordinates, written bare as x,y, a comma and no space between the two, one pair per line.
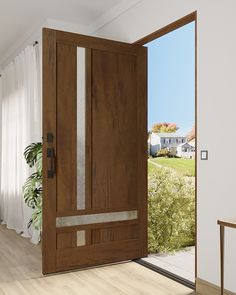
51,156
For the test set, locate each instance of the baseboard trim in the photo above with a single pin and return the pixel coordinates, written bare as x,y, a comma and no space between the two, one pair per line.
206,288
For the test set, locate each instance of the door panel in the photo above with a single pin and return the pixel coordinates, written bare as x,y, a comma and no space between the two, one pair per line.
94,105
98,254
114,113
110,234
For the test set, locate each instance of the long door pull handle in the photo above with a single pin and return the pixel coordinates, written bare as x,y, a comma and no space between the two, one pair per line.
51,156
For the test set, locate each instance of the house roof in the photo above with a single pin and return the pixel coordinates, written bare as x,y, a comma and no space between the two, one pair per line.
192,142
185,143
174,135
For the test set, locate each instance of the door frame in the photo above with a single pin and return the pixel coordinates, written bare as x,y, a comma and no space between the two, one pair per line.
192,17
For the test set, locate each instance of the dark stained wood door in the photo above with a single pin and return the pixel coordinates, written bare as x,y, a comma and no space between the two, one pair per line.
94,205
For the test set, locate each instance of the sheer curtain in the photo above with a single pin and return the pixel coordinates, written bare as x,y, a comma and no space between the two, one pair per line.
20,126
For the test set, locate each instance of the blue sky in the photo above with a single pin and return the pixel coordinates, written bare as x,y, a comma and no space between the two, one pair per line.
171,78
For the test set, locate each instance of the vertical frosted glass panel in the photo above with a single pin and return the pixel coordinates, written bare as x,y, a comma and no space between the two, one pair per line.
81,97
81,238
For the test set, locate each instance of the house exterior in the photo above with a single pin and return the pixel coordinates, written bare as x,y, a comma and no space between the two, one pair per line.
192,142
186,150
149,145
158,141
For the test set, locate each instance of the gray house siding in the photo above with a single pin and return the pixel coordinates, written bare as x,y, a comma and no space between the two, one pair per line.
165,140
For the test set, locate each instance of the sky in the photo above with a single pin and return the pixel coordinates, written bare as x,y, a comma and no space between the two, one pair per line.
171,79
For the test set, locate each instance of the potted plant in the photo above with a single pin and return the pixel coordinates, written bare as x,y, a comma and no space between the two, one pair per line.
32,189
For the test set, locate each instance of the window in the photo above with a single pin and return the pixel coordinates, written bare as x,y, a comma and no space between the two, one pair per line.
182,140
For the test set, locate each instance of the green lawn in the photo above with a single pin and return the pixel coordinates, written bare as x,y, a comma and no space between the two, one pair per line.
185,167
151,168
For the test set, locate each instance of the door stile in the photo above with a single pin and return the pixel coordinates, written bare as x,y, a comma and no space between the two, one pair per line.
49,142
142,150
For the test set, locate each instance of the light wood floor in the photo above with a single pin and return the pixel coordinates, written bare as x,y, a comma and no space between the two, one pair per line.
19,258
20,274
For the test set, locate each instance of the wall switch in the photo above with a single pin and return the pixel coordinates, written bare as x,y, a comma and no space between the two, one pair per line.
204,155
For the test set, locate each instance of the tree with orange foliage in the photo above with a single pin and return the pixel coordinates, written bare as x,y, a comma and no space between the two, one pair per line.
191,134
164,127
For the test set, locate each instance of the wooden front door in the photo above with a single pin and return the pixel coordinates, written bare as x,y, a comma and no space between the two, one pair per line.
94,151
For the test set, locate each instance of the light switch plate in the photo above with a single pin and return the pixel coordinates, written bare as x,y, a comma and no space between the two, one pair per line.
204,155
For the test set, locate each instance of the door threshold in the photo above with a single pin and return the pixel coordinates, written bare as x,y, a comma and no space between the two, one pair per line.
166,273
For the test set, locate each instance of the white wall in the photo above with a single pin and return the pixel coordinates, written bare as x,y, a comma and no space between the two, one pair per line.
216,113
0,133
36,35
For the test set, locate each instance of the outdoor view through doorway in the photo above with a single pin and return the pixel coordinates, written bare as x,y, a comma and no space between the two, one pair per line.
171,152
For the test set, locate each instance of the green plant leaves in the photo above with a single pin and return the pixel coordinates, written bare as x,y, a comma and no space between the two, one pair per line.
32,189
37,216
33,153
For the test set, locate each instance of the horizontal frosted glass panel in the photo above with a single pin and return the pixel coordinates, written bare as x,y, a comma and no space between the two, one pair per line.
96,218
81,238
81,93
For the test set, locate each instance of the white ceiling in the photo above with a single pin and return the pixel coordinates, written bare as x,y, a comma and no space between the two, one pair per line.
17,17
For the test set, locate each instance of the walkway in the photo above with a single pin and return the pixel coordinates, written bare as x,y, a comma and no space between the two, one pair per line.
181,263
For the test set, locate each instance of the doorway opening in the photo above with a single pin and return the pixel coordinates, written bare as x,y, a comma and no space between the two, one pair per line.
171,150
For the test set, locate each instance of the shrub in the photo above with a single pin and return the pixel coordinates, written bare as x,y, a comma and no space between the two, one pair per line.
171,209
169,153
172,153
163,153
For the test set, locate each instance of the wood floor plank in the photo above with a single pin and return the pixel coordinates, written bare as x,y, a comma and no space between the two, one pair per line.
20,274
19,258
121,279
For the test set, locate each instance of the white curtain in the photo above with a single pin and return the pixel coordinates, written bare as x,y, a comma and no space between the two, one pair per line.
20,126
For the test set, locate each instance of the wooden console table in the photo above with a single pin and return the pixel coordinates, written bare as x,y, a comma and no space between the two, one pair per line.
224,223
